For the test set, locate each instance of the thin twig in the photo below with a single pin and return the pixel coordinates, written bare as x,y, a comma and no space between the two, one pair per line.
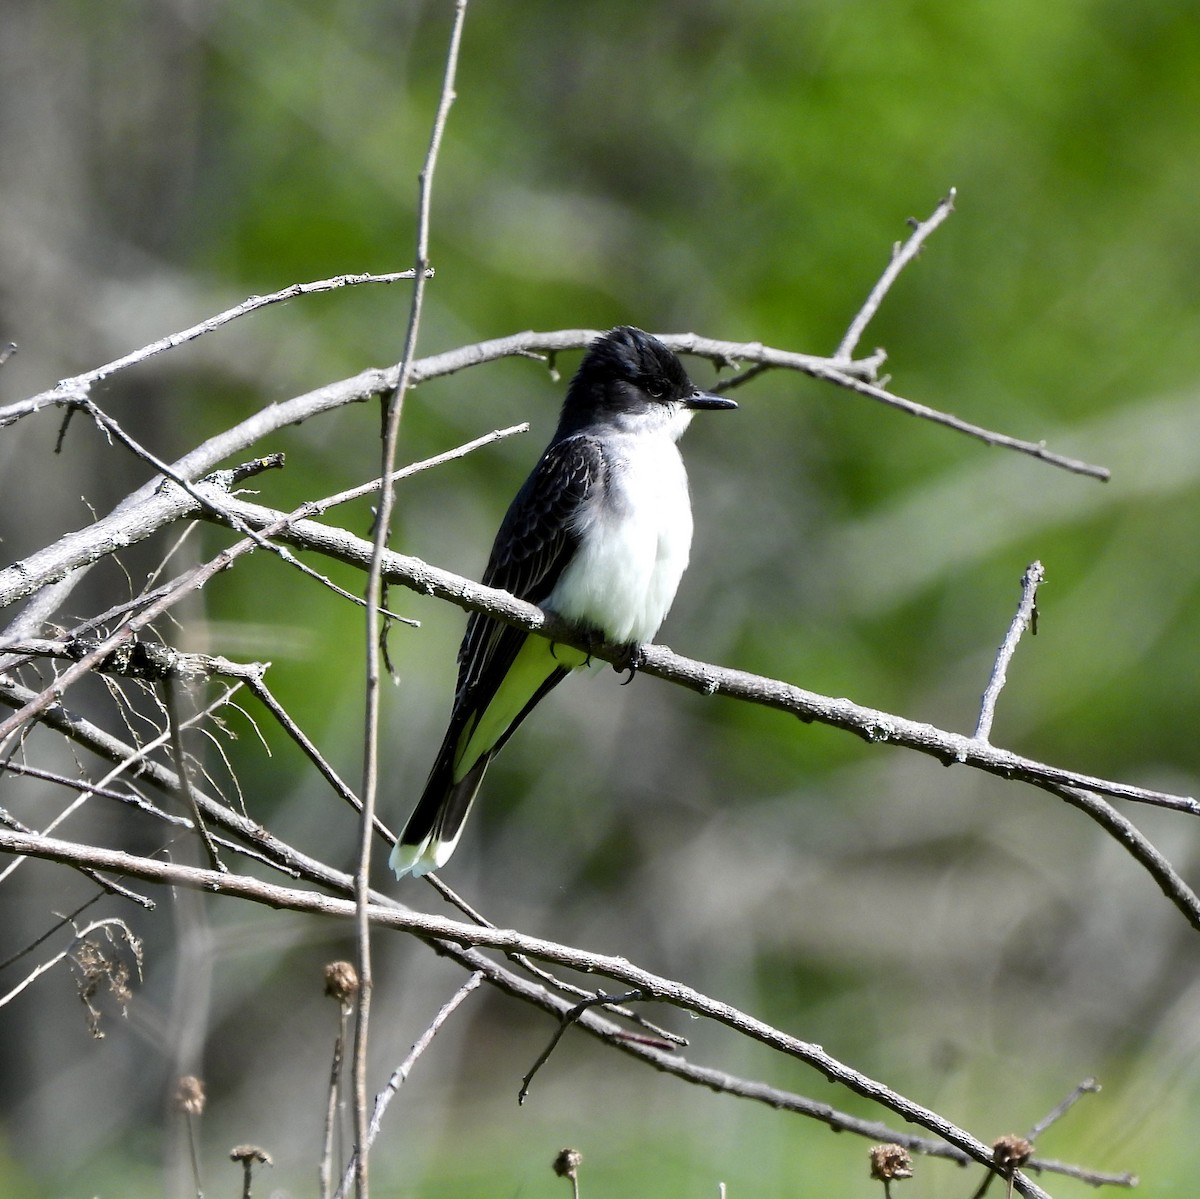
194,579
171,699
664,1037
193,1152
260,690
127,763
402,1071
112,427
1024,618
141,804
393,408
600,999
834,371
107,924
901,257
109,885
78,386
316,507
1089,1086
332,1123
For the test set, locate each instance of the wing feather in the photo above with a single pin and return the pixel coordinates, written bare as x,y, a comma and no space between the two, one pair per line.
537,539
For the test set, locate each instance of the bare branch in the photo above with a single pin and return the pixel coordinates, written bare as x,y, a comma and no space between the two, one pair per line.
429,927
402,1071
1025,618
571,1016
71,390
136,659
664,1036
393,408
1089,1086
901,257
871,724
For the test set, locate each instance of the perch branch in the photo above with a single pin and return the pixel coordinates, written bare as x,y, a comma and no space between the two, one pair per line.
872,725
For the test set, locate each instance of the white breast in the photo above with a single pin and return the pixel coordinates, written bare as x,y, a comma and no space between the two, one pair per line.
635,542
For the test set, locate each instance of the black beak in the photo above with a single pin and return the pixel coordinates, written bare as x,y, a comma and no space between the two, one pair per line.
706,399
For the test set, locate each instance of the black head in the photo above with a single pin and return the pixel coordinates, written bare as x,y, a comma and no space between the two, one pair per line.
626,373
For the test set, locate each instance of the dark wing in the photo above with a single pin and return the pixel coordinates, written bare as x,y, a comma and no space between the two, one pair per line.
537,539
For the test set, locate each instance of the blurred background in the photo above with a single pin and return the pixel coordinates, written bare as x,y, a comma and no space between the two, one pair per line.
741,171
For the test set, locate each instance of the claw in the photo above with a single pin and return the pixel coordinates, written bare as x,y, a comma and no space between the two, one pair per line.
632,662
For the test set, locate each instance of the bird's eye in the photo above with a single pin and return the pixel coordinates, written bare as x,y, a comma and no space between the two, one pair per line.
656,389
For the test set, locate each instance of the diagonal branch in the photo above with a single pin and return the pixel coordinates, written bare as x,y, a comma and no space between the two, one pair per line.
871,724
281,856
1025,618
427,927
901,257
71,390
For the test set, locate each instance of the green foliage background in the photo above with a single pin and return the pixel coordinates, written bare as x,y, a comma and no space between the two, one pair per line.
740,170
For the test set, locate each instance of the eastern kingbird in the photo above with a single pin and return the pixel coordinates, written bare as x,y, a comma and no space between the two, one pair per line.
599,534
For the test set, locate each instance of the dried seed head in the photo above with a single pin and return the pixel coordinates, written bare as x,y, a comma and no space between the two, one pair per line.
250,1153
1011,1151
341,981
567,1163
889,1162
189,1095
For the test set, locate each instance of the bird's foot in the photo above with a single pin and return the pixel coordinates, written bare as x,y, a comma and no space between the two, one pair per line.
632,660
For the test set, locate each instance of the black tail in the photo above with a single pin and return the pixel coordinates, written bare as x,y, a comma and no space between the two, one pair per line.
433,828
437,821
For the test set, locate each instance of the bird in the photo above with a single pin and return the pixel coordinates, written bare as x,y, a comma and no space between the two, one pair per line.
599,535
